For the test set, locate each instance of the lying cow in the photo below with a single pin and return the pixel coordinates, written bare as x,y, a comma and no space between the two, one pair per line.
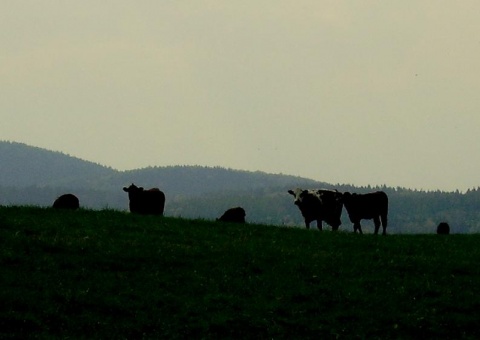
319,205
145,202
367,206
67,201
443,228
236,215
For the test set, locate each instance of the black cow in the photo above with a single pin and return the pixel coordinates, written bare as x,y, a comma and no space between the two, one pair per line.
145,202
443,228
236,215
66,201
319,205
367,206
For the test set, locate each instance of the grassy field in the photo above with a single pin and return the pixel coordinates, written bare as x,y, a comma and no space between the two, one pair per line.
107,274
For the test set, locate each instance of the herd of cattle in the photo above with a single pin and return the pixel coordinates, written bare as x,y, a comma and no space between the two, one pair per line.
315,205
326,205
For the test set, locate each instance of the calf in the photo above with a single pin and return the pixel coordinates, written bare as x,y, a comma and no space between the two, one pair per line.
145,202
367,206
319,205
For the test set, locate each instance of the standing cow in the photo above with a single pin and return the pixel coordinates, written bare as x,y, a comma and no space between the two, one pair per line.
367,206
319,205
145,202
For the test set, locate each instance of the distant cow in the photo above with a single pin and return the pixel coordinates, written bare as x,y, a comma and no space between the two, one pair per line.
236,215
319,205
145,202
443,228
67,201
367,206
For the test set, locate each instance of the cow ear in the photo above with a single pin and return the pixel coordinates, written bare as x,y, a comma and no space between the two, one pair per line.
125,189
291,192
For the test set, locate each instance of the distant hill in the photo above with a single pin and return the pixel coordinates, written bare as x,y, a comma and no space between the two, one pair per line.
35,176
26,166
23,166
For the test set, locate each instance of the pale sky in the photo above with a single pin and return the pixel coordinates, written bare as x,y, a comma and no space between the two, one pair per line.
351,92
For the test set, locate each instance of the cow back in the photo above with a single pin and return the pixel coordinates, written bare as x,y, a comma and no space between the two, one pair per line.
66,201
236,215
366,206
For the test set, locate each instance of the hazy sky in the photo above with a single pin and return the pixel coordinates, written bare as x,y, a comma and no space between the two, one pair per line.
355,92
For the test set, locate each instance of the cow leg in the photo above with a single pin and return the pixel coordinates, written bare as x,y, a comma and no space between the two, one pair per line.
384,224
319,225
357,226
307,224
376,220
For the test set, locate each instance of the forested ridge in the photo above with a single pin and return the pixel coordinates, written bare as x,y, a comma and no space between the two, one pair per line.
35,176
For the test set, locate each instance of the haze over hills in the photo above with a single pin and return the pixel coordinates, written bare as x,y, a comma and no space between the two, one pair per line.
23,166
35,176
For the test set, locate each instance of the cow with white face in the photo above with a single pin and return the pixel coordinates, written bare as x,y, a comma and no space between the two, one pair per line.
319,205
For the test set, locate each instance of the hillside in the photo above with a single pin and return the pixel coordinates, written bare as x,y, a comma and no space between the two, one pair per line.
23,166
27,166
34,176
106,274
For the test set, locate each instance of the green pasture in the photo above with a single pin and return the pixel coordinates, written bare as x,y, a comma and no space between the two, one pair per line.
113,275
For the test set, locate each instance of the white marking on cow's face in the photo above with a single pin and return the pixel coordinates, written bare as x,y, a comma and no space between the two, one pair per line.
300,194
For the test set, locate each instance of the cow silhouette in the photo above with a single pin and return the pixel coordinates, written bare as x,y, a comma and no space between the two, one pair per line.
145,202
236,215
443,228
319,205
367,206
66,201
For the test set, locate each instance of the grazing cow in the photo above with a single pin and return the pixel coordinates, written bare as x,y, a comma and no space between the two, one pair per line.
145,202
367,206
443,228
236,215
67,201
319,205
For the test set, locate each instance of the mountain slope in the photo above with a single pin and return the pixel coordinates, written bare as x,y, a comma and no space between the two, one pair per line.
22,166
25,166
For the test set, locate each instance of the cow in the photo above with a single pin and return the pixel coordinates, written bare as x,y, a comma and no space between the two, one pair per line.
145,202
367,206
66,201
319,205
443,228
236,215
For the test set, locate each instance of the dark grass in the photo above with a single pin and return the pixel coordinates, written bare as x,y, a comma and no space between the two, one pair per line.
107,274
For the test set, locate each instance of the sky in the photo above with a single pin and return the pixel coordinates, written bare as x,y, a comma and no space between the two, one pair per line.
352,92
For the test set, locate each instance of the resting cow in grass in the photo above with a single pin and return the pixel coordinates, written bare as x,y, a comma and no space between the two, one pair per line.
367,206
67,201
319,205
236,215
146,202
443,228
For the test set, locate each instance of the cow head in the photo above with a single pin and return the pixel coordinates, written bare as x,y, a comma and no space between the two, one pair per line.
133,189
298,195
304,196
